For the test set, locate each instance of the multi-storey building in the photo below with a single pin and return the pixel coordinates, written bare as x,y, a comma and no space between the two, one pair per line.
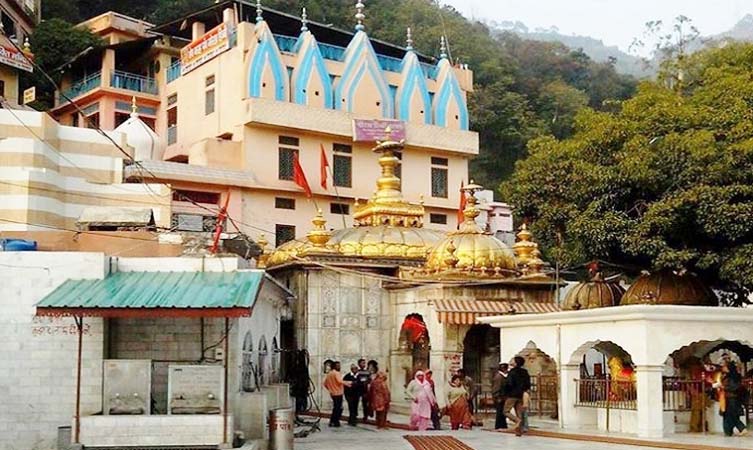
17,20
236,93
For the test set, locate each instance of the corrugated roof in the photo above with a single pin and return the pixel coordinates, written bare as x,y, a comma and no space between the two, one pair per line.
156,292
465,312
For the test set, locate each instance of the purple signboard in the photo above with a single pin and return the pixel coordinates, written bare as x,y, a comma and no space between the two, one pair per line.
375,130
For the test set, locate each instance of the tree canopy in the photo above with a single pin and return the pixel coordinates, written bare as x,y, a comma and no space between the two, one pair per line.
664,182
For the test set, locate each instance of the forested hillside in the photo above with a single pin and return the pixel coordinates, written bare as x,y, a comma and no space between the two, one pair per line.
524,88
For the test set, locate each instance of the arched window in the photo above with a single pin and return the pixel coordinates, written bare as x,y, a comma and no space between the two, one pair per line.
248,378
262,364
274,376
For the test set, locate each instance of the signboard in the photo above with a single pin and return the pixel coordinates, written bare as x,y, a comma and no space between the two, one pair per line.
374,130
214,42
12,57
30,95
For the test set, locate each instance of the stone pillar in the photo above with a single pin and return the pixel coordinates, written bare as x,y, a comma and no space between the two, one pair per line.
569,412
197,30
650,401
441,366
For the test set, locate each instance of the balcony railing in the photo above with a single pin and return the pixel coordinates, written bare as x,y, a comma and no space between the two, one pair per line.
337,53
84,85
173,71
134,82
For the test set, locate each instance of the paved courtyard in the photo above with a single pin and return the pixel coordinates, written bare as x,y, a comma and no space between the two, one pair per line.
367,437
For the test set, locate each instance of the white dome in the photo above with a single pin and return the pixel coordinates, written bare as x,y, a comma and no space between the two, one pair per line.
145,142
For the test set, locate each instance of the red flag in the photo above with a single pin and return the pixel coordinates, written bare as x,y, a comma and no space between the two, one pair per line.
299,177
323,164
461,216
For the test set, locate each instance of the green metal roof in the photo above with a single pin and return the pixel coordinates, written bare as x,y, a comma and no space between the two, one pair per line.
152,291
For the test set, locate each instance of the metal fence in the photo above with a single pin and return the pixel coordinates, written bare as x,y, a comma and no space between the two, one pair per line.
605,393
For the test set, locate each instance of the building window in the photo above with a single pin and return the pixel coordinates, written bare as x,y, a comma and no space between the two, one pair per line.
283,234
92,121
211,198
440,219
339,208
288,151
2,88
284,203
74,119
209,102
342,165
209,96
439,177
172,119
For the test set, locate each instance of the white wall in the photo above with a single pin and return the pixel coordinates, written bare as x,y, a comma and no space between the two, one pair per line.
38,355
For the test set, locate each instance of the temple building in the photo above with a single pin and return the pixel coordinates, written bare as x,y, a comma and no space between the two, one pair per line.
17,20
237,94
639,361
391,290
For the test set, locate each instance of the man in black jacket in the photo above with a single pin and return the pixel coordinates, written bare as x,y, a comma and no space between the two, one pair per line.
518,383
499,393
352,394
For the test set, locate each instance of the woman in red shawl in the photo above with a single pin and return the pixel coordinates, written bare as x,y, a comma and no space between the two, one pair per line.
379,399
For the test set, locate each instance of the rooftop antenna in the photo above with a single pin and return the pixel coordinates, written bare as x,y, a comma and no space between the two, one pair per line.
259,17
409,40
360,16
304,21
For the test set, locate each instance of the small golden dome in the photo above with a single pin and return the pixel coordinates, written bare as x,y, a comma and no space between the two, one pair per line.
596,293
470,247
669,288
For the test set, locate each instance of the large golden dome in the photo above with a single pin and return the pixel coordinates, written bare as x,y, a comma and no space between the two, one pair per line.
386,226
596,293
471,248
668,288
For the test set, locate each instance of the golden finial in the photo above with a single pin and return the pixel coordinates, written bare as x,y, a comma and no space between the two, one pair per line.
525,247
261,260
535,264
451,260
471,210
134,107
319,236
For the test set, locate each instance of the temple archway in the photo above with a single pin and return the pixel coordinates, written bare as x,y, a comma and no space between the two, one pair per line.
607,376
414,338
248,377
544,381
481,356
261,370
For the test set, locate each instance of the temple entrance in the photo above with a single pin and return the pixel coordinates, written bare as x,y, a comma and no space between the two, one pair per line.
481,357
414,338
543,371
688,383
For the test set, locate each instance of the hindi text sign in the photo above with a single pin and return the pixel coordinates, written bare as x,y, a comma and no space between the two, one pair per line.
214,42
12,57
374,130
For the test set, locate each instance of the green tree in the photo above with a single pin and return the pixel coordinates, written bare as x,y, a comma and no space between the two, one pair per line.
55,42
666,181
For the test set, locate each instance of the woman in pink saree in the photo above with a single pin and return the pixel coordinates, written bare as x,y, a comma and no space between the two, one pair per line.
419,391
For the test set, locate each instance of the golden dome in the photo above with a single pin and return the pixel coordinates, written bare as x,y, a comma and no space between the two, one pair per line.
470,248
386,226
596,293
668,288
384,241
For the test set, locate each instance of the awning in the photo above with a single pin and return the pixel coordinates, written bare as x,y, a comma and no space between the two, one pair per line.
465,312
156,294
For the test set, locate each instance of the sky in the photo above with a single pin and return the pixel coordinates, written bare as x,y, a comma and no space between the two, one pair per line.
616,22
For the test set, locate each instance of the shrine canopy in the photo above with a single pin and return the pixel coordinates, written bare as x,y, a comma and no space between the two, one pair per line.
157,294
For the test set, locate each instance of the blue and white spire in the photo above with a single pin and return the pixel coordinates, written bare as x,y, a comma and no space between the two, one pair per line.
310,83
450,108
267,74
412,99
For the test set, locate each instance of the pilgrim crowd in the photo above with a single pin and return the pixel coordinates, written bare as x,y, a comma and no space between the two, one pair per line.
365,387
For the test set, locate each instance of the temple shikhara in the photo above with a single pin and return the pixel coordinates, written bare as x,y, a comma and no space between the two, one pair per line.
219,208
